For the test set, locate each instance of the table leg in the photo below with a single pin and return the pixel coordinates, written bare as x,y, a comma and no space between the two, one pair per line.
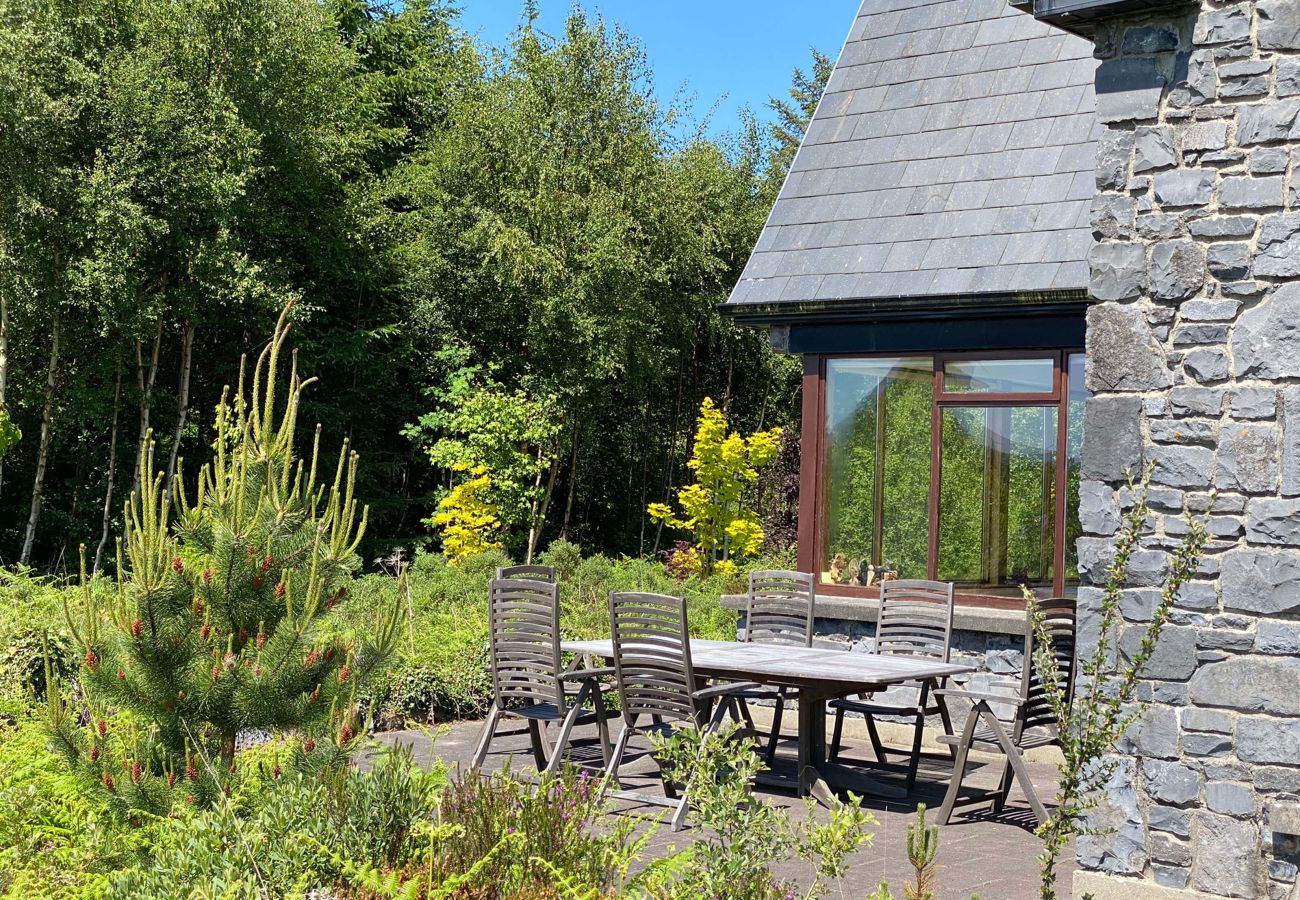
820,778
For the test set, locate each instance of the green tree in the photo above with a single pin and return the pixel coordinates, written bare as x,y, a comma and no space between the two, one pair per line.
716,508
216,625
511,438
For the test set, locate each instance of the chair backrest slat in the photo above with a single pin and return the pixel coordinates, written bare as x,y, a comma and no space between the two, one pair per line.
652,656
781,608
915,619
524,624
528,573
1061,617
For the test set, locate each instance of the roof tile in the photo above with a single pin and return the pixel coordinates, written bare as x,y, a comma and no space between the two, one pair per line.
953,153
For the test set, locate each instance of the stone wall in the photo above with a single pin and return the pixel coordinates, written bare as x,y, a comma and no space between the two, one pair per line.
1194,358
998,658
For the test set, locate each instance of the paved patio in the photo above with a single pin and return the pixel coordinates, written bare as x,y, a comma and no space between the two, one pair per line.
994,857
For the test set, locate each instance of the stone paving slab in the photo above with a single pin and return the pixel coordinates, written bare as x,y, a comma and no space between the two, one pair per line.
994,857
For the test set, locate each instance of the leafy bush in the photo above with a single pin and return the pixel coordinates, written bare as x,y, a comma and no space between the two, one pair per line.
738,836
58,836
287,836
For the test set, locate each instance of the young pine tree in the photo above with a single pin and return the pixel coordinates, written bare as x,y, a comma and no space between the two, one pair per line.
216,622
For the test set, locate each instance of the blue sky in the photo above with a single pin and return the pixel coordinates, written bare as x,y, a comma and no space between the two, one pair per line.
743,50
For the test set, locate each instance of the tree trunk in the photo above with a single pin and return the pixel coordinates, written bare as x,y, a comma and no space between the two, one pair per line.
112,469
182,400
573,481
144,378
4,365
538,517
43,451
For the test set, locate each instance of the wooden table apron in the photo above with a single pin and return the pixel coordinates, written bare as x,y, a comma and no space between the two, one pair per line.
818,675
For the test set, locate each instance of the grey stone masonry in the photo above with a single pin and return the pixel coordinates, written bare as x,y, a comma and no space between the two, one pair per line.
1194,362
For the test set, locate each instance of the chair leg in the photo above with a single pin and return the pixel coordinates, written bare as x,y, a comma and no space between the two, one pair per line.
602,724
958,767
877,746
1004,786
539,743
562,741
775,736
489,729
738,705
1017,764
616,759
946,718
833,752
914,761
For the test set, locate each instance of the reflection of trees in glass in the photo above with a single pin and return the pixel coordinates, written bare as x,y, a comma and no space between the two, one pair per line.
996,495
854,406
851,471
1031,496
961,494
907,476
1073,451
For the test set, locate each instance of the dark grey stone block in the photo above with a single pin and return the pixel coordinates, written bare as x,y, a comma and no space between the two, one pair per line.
1128,89
1112,438
1185,187
1279,24
1266,340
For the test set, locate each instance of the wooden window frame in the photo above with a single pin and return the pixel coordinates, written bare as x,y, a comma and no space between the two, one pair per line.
812,533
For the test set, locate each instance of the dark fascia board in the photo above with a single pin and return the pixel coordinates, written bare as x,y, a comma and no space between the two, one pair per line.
1081,16
880,309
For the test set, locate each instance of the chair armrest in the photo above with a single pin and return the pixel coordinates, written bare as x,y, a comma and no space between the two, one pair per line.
587,674
976,696
722,690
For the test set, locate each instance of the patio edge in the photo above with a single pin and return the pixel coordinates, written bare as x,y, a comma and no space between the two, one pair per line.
1108,887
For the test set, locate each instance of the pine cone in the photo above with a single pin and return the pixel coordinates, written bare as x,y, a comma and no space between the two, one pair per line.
308,745
345,673
191,772
137,628
101,727
108,781
279,590
178,565
94,753
136,771
92,660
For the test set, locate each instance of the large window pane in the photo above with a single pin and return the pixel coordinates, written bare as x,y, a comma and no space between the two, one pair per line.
1078,396
1009,376
997,495
877,467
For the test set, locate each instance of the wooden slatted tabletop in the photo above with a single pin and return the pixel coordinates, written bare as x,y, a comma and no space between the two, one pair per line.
820,674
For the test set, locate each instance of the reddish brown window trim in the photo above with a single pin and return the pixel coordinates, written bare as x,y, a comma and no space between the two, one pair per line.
811,513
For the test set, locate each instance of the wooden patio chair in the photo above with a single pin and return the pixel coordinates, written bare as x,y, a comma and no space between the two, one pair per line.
528,572
652,664
915,620
1032,722
780,609
528,679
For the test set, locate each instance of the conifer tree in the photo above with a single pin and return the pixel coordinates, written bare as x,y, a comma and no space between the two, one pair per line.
216,622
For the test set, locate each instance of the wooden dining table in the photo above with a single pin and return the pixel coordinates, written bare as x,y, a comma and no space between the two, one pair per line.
818,675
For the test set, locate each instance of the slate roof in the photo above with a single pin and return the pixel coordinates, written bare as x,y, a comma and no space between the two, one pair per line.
952,154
